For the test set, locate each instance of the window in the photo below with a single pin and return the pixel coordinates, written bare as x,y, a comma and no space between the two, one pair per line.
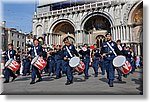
12,34
22,44
18,35
12,41
17,43
22,37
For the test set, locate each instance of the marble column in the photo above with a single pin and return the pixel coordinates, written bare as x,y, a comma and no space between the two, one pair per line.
46,39
127,32
116,30
121,34
124,33
114,33
130,29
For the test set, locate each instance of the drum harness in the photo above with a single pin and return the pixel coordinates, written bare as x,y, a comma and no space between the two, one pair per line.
69,52
112,49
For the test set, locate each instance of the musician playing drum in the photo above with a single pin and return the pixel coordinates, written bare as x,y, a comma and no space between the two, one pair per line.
9,54
35,51
67,55
85,52
109,50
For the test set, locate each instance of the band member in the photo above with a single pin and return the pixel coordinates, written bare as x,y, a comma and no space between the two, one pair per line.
58,61
121,50
9,54
85,52
68,52
18,59
26,64
96,59
51,61
36,50
109,50
130,57
44,54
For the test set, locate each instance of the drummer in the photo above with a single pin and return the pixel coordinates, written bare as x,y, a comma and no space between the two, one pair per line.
36,50
85,52
109,55
9,54
67,56
96,60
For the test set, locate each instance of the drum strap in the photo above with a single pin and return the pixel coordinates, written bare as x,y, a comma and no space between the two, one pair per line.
112,49
35,51
69,52
9,54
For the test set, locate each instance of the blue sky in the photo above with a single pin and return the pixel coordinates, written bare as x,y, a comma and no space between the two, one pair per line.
19,15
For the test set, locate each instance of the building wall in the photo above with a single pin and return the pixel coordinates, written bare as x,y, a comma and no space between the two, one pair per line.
14,37
116,11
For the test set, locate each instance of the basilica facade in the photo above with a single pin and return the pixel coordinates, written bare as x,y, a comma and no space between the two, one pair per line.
88,22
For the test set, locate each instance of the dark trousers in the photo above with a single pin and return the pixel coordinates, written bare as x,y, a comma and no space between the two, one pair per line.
8,73
69,71
35,72
86,63
58,68
26,68
102,65
96,66
110,69
51,66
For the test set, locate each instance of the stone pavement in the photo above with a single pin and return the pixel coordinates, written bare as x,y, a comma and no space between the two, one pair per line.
130,86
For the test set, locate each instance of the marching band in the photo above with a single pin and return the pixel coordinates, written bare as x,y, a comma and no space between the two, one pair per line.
65,60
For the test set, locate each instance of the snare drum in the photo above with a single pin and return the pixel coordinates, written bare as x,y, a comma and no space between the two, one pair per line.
12,65
122,64
77,64
39,63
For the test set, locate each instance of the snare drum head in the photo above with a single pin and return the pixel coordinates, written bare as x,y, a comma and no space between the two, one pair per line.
119,61
8,62
34,60
74,61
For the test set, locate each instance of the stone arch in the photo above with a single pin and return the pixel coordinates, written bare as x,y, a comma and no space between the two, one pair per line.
54,23
104,14
133,9
39,30
58,29
91,32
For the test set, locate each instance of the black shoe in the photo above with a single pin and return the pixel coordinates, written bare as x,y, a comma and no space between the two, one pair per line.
71,82
6,81
96,75
80,73
67,83
57,78
119,79
40,79
125,75
86,78
32,82
14,78
111,85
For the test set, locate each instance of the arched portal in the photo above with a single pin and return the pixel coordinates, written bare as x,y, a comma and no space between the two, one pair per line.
95,29
39,31
136,19
61,31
